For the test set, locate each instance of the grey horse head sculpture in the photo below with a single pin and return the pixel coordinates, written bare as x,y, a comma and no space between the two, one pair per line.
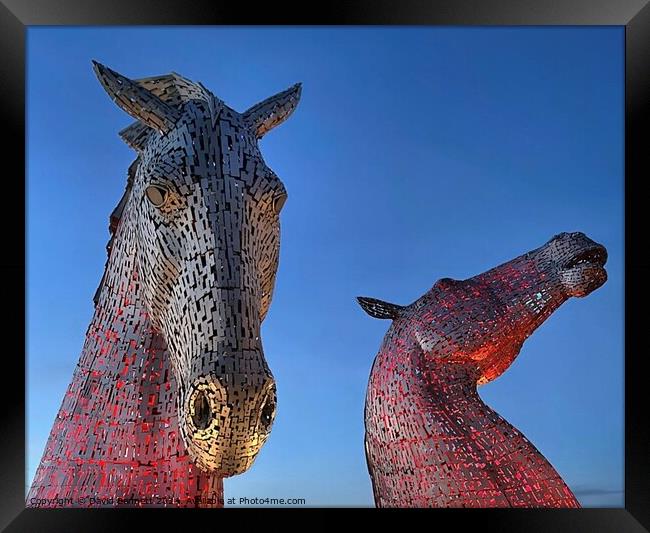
201,218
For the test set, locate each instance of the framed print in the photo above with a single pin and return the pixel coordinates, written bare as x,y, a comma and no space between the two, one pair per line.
215,201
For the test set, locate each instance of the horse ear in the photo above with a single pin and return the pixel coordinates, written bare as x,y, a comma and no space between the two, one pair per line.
137,101
378,308
266,115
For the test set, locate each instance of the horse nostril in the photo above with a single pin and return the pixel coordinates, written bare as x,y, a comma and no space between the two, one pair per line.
268,410
202,415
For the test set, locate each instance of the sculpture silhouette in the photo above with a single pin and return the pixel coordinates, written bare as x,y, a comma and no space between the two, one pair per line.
172,391
430,440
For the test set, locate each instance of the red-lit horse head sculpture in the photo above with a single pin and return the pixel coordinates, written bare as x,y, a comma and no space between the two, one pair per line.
430,439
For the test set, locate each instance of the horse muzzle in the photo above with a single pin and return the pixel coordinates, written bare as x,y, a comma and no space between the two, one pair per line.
225,420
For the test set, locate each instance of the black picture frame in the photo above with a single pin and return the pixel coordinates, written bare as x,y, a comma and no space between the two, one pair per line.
634,15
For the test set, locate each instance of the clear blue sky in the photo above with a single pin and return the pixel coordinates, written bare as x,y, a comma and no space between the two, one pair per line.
415,154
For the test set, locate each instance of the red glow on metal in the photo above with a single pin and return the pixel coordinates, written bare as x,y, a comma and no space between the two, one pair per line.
430,439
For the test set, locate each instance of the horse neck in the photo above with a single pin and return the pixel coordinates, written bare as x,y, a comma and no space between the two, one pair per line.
448,444
121,350
117,428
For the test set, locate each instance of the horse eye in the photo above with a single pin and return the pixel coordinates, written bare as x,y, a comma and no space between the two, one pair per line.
278,202
156,195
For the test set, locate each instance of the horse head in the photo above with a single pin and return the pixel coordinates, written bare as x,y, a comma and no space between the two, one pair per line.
203,211
479,324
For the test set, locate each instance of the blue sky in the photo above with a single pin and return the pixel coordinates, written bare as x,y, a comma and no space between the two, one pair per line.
415,154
